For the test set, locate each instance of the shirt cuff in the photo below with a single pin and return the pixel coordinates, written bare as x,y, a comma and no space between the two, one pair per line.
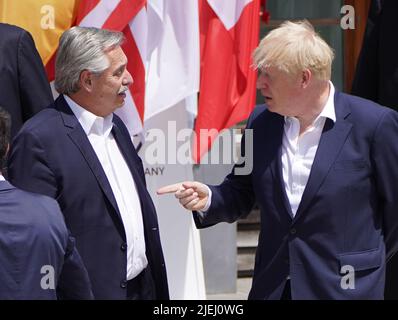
208,204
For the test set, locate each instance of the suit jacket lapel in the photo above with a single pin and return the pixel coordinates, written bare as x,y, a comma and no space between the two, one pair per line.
332,140
279,177
276,166
127,148
80,139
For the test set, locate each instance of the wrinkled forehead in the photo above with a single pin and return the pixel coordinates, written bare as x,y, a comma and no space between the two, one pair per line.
116,55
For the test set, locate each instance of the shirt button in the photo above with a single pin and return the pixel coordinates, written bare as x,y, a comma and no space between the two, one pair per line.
123,246
293,231
123,284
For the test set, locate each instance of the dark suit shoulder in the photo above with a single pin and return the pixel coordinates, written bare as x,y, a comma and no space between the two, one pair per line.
363,111
37,217
257,112
12,36
34,197
42,122
258,109
39,207
10,28
34,235
261,115
9,31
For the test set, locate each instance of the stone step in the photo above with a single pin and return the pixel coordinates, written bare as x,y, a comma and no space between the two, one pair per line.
248,230
248,226
245,262
247,238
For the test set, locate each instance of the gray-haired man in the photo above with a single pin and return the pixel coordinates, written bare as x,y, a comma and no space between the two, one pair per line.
81,154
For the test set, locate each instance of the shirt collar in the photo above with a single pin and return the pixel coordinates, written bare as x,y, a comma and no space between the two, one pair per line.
91,123
2,178
328,110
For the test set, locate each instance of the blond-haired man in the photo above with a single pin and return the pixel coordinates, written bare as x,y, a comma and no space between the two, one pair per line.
324,176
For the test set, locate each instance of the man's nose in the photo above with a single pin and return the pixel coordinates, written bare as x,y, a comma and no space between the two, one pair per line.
127,79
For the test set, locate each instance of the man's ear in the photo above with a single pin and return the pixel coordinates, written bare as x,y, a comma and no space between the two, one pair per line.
306,77
86,80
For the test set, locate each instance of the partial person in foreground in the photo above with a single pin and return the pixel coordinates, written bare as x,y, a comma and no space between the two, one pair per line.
80,153
38,258
324,176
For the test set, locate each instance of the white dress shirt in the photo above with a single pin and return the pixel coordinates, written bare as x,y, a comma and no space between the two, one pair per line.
99,133
298,151
2,178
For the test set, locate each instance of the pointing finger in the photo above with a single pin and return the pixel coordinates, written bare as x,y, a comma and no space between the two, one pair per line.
172,188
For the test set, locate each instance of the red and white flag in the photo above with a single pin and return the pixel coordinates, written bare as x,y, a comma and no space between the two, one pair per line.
173,54
229,31
162,45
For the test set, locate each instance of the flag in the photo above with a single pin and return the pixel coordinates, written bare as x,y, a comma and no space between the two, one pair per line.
229,31
173,61
45,20
171,90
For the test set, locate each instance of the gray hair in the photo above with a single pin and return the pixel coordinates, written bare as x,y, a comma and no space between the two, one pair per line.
293,47
82,48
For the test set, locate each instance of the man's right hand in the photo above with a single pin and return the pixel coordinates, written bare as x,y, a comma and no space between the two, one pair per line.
192,195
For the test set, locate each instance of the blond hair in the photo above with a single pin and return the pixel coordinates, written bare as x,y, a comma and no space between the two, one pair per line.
294,47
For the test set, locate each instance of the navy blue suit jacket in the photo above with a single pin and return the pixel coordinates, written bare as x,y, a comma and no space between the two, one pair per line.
34,238
348,215
53,156
24,86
